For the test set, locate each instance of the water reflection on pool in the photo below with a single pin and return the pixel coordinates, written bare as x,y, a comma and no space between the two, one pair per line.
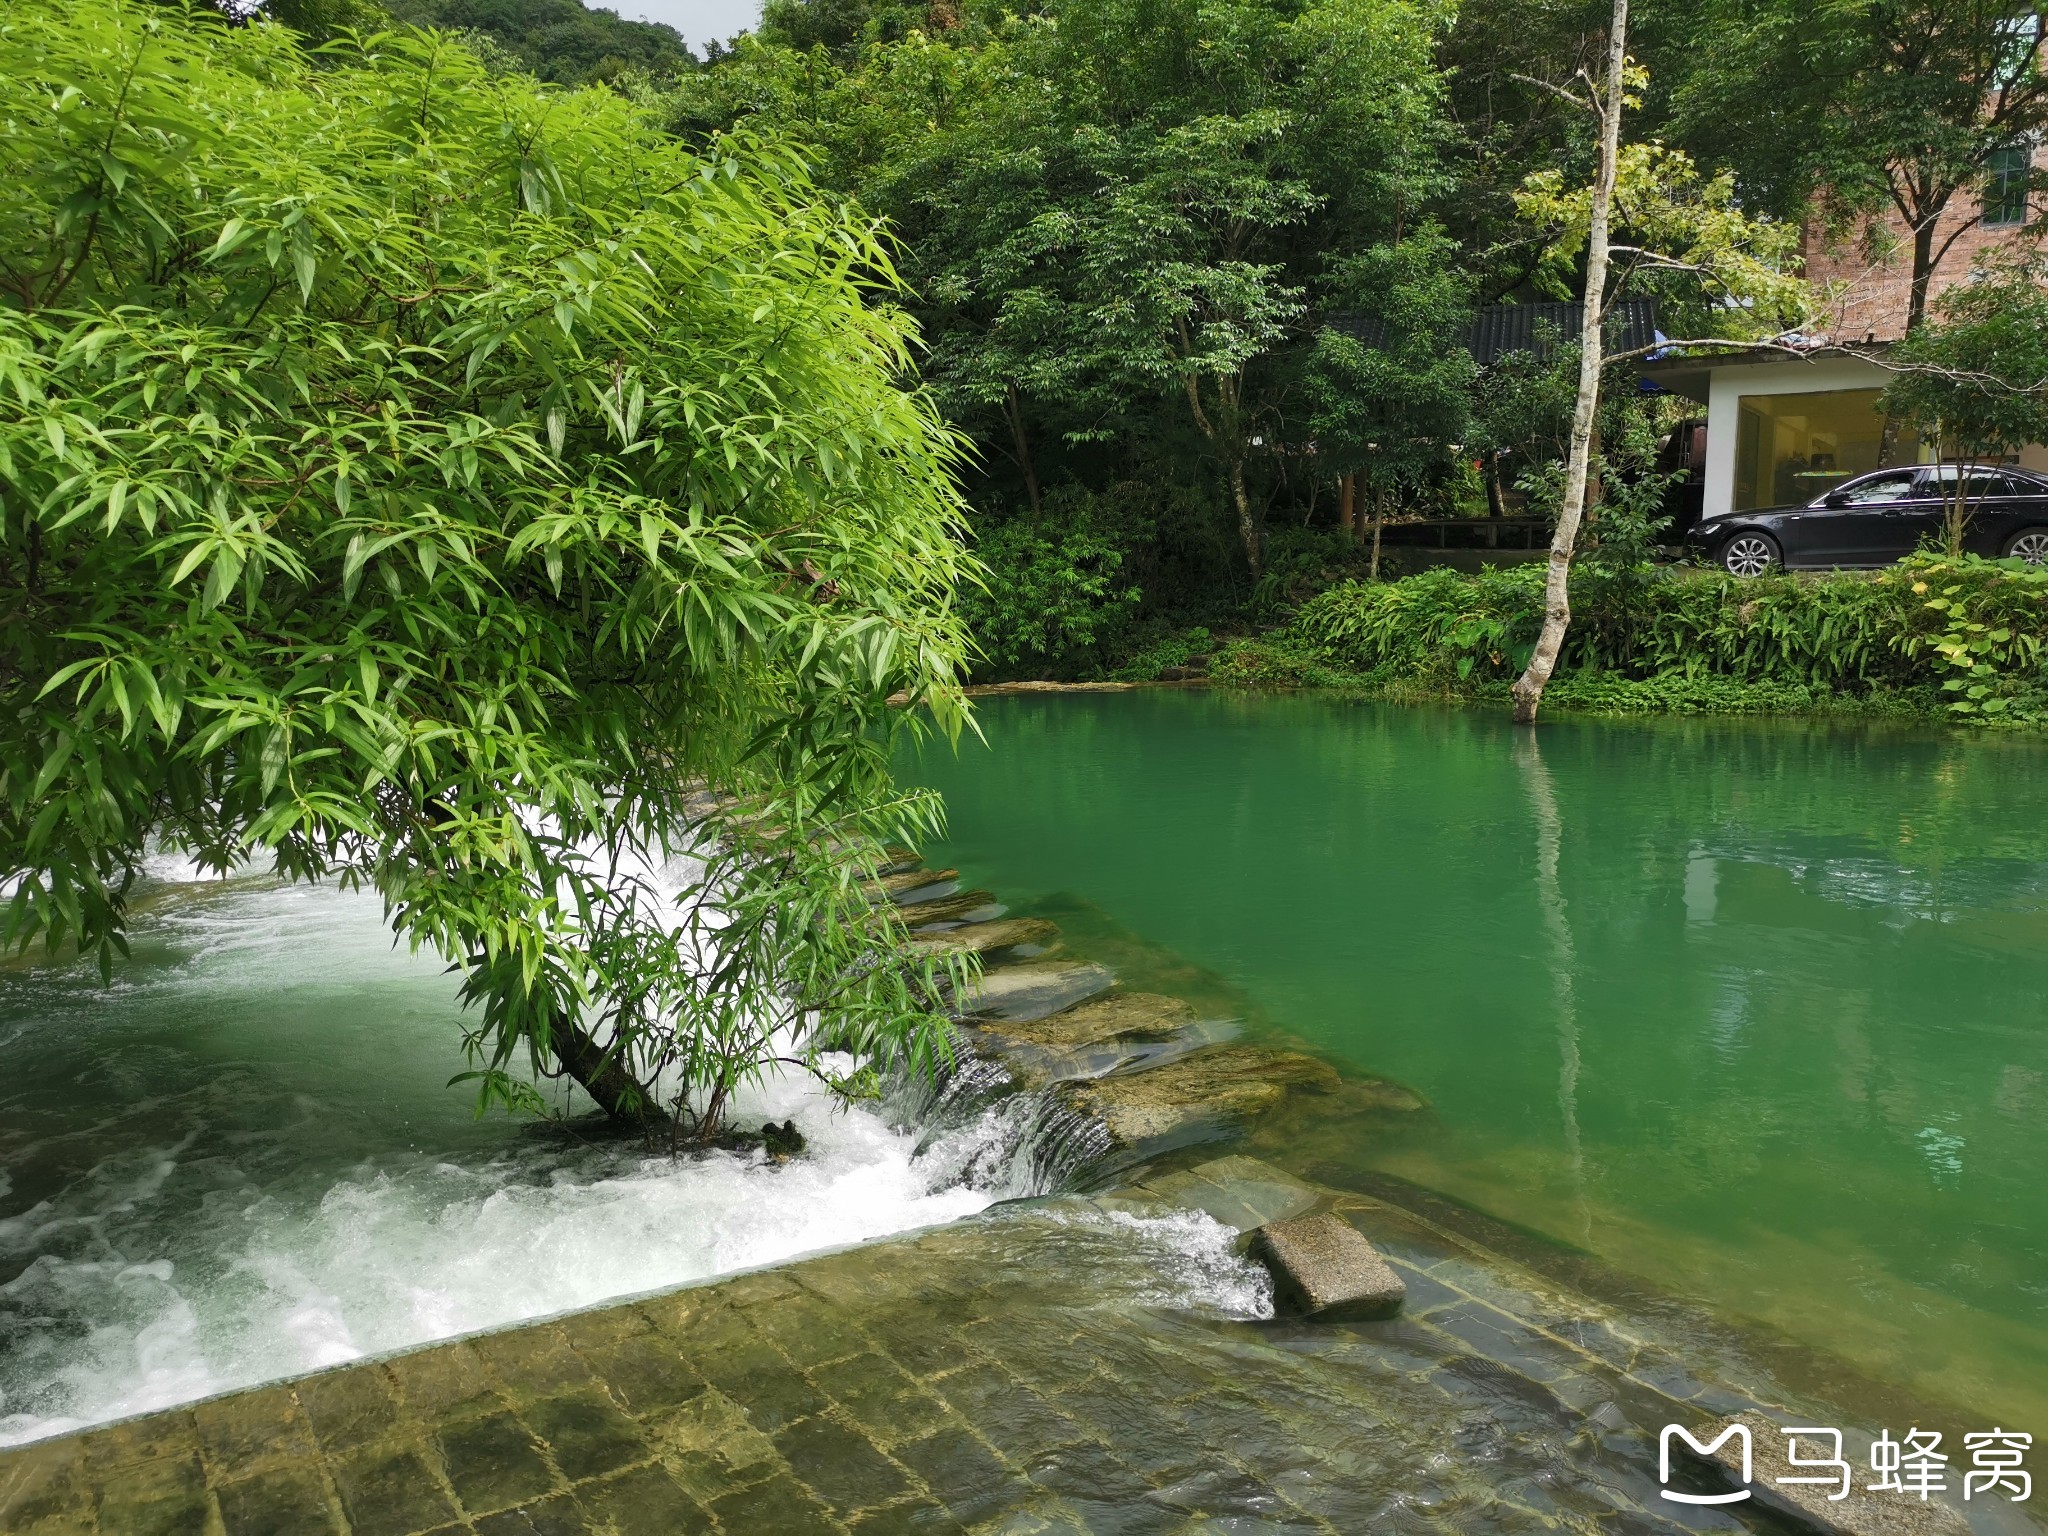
1753,1010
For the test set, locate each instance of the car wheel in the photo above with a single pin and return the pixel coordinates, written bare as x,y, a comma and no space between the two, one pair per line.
2030,545
1751,554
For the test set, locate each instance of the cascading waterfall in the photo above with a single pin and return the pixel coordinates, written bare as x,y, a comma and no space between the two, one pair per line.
976,1126
240,1163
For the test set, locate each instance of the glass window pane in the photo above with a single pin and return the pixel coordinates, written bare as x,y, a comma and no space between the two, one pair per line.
1981,482
2005,185
1790,449
1880,488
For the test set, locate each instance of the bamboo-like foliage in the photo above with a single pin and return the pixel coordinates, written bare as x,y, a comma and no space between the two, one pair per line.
424,479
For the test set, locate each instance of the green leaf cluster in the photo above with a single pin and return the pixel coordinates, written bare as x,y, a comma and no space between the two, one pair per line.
426,479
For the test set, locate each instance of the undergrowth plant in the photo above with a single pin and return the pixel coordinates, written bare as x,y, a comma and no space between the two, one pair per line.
1975,630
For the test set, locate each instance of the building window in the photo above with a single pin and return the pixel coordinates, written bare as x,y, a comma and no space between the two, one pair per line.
2006,173
1791,448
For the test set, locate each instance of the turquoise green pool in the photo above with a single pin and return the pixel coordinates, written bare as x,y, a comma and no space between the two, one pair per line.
1758,1012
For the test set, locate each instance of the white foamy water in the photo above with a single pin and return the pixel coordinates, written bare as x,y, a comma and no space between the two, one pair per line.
389,1258
240,1164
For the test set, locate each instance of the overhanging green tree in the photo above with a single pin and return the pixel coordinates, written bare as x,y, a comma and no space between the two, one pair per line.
428,481
1973,382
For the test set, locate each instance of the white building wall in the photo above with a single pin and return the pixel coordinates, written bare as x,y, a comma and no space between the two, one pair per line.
1727,385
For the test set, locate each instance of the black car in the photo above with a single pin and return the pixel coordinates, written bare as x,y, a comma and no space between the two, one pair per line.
1881,517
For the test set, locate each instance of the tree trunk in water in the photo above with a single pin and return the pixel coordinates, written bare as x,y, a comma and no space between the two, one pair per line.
615,1090
1557,612
1014,409
1247,523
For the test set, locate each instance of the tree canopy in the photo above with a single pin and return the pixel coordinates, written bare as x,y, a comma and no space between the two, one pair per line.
433,481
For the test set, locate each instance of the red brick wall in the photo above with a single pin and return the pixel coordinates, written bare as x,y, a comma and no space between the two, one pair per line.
1876,283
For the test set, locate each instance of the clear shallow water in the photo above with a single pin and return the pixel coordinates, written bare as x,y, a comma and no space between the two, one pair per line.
1756,1011
241,1163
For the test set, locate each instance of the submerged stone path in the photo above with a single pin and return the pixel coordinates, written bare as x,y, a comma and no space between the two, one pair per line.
1023,1372
1070,1364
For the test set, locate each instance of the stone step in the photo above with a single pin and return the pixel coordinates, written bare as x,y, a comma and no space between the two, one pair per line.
1241,1193
1123,1031
908,886
950,910
1033,990
1030,936
1201,1097
1120,1016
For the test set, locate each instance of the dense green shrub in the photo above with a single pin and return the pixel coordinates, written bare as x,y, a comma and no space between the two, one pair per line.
1053,596
1176,648
1968,633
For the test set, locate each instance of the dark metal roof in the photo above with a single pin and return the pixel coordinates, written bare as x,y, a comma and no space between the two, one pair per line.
1499,329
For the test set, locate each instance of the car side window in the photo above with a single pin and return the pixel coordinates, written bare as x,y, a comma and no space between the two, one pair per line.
1879,488
1978,483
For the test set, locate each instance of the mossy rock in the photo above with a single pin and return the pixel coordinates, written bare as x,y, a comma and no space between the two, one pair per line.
1120,1016
1033,990
987,938
962,907
910,882
1209,1094
1114,1033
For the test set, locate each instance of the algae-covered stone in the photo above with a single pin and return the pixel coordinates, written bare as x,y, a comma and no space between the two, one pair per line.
1099,1037
907,885
960,907
1860,1513
1376,1093
1210,1093
1324,1269
1033,990
1034,933
1123,1016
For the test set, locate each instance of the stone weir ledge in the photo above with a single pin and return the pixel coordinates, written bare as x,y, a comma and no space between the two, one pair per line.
1054,1365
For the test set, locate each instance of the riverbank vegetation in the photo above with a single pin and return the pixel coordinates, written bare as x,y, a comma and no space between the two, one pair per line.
1957,638
428,481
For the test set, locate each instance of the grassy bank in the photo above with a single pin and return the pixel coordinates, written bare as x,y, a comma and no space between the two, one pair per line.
1957,639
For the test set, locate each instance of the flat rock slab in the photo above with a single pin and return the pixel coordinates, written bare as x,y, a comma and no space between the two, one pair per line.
1861,1513
1241,1193
1208,1094
1124,1016
1035,933
1112,1033
908,886
1324,1269
1034,990
960,907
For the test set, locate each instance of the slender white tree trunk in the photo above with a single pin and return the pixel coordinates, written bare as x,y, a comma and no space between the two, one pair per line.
1557,609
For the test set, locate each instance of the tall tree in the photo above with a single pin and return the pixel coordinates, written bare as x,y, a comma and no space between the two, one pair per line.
1557,613
1117,212
1868,109
1717,271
